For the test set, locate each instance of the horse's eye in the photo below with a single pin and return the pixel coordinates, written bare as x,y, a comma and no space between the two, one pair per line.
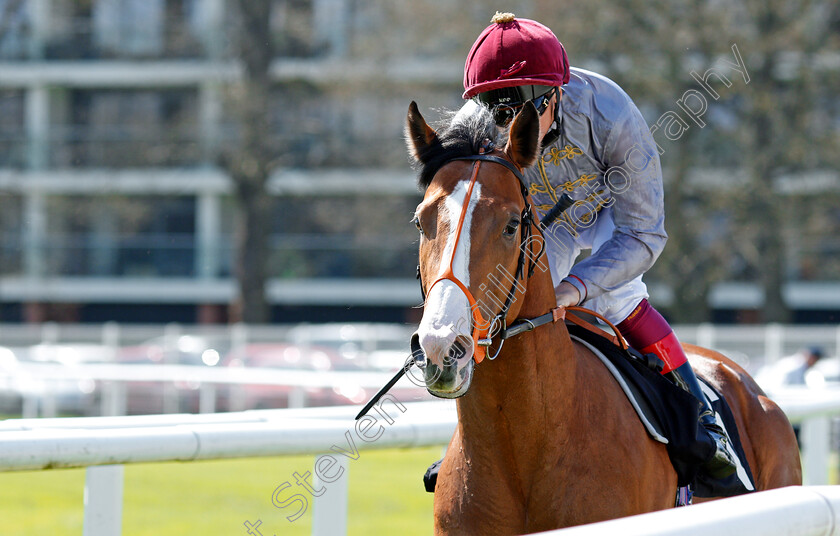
510,228
416,222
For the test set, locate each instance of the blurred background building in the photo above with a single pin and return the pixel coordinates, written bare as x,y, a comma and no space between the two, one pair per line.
115,204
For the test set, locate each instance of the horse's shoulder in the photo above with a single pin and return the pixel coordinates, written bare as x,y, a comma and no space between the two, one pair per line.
593,369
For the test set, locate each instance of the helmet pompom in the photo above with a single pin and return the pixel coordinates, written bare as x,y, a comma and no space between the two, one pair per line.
501,18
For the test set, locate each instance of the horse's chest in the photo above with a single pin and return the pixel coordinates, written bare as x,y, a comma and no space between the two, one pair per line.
478,499
554,486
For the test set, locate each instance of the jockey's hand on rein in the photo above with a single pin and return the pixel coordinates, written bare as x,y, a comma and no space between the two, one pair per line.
566,294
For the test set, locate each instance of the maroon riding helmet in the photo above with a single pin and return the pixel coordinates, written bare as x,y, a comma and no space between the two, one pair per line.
514,52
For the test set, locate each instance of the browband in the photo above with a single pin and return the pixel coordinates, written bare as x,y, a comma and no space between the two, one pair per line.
492,158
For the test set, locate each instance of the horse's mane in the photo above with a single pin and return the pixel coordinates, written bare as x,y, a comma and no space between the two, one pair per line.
459,134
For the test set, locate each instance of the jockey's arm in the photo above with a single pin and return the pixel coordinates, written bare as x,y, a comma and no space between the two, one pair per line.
634,176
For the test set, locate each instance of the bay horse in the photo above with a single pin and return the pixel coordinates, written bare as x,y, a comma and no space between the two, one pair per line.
545,437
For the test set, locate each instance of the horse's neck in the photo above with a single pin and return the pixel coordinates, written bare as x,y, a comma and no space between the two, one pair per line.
528,388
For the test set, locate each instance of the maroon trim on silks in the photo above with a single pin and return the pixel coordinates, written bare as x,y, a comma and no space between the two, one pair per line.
669,351
647,331
585,288
644,326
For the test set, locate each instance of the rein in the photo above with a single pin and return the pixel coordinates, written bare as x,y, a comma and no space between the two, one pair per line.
521,326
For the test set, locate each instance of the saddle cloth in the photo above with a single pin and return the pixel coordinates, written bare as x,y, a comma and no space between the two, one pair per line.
670,415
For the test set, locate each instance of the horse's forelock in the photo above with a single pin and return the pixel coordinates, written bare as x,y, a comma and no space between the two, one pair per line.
459,134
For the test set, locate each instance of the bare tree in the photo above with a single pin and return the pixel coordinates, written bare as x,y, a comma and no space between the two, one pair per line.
7,16
781,124
743,231
782,130
650,49
249,158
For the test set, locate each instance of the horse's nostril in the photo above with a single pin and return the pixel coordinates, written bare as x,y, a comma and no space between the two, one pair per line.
458,350
417,352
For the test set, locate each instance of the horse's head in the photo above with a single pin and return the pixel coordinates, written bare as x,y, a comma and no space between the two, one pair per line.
475,225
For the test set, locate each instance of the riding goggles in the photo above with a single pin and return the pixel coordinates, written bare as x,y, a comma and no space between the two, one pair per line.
506,102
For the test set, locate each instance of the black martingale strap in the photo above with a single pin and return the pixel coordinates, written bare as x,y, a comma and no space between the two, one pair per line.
527,324
562,204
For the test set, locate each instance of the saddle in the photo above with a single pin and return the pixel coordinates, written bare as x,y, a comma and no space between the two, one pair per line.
668,413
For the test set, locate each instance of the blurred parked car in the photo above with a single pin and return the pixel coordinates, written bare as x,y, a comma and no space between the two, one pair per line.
69,354
287,357
383,347
11,380
177,350
374,347
160,397
54,376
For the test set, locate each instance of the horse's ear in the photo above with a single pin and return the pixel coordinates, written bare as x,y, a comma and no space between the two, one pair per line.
523,145
418,134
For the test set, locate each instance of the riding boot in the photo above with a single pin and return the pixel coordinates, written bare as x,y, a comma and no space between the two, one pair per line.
722,464
646,329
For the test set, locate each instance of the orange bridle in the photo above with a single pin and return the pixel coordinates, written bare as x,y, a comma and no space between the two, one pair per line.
482,329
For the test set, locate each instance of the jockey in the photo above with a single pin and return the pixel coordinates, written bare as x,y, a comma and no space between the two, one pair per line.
597,148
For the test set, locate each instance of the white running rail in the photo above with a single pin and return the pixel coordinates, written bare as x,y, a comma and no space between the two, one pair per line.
102,444
793,511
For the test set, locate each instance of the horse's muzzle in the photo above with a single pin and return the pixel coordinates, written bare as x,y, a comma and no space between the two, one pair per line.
451,377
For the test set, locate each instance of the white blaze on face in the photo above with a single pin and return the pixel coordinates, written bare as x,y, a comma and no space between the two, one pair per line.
447,310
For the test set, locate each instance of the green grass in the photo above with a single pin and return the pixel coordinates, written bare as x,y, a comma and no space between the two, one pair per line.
217,497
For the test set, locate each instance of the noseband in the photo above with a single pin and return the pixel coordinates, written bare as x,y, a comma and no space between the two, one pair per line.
483,330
